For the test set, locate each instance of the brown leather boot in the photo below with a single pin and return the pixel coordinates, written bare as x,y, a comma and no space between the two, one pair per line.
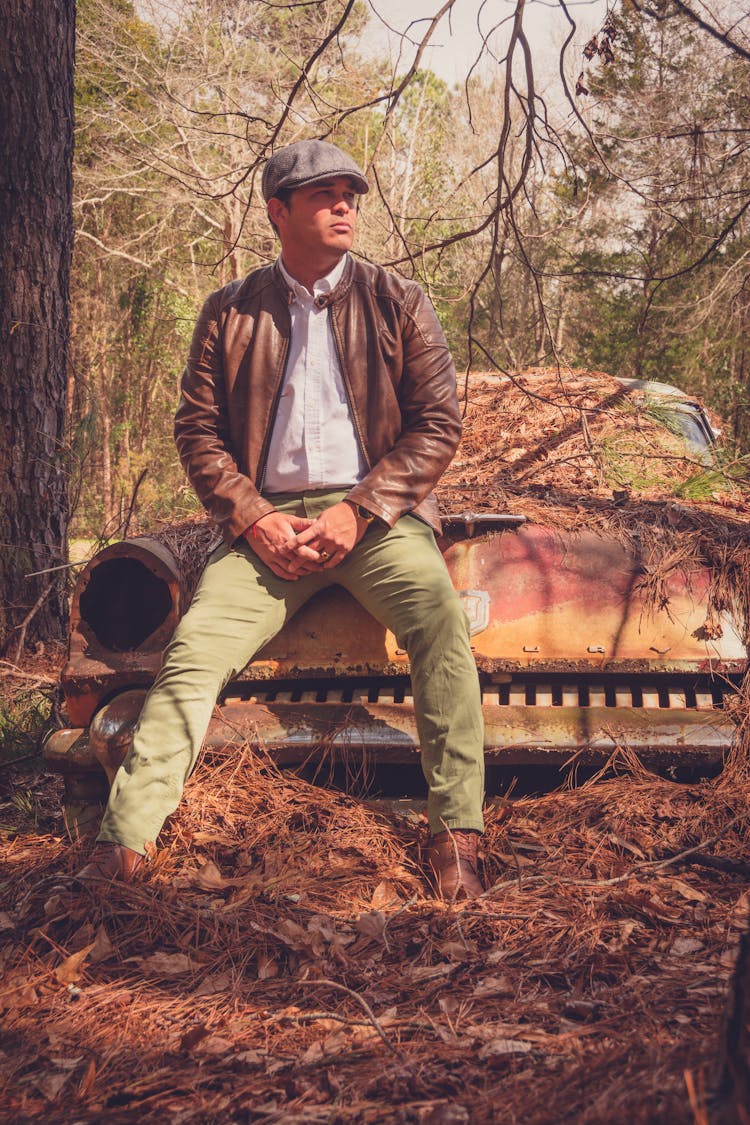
452,858
110,863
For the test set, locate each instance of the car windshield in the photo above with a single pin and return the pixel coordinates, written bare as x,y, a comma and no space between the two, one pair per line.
690,423
681,417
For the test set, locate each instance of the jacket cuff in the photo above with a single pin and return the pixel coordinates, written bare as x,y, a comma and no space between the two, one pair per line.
237,524
362,496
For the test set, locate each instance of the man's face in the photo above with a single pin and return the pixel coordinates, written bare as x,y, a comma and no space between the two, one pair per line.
320,217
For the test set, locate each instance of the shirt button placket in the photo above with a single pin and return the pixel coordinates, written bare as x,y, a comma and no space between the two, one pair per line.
317,318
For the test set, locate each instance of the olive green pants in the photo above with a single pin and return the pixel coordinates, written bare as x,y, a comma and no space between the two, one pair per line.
400,577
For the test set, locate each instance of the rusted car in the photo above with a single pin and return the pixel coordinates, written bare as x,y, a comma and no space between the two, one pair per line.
574,655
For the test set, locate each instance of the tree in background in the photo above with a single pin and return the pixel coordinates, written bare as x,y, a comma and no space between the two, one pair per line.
659,271
36,148
614,238
176,115
595,241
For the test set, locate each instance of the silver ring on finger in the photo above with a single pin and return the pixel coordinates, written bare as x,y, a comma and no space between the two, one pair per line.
324,556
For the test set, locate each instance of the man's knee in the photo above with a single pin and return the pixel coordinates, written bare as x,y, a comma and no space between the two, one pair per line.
444,626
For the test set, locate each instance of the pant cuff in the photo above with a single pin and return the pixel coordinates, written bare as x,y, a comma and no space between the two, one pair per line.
461,824
135,843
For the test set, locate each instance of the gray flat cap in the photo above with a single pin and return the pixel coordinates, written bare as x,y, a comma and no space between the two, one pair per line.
304,162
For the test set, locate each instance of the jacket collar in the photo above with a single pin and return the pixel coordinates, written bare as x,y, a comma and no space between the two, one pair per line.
334,295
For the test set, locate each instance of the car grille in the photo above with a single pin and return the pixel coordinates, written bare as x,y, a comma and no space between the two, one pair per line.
703,694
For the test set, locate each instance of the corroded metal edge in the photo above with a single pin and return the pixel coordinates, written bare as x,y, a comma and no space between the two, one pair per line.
514,735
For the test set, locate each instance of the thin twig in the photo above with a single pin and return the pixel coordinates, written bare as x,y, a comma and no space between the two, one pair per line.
409,902
464,942
28,619
361,1001
15,761
131,508
54,569
14,670
720,863
646,865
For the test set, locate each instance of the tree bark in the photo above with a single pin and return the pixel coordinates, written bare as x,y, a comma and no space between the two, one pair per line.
36,150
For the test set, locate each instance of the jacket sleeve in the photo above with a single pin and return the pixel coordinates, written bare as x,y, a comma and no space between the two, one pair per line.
430,414
202,433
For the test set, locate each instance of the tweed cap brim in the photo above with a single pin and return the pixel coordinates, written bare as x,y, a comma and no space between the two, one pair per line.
306,162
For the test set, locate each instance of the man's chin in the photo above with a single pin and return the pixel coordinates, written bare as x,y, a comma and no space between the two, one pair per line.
341,242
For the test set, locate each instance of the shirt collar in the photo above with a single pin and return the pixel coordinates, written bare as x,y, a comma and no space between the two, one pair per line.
322,285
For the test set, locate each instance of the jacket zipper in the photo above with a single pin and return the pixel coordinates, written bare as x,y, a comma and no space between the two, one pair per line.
269,430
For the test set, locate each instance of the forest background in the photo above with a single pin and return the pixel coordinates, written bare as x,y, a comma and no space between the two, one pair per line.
591,214
621,239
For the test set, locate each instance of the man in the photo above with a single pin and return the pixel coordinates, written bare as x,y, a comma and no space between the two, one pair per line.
318,411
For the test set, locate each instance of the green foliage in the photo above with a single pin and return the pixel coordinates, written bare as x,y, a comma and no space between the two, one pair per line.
25,719
655,284
708,484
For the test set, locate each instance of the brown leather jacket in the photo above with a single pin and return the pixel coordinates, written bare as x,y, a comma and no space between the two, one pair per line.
398,374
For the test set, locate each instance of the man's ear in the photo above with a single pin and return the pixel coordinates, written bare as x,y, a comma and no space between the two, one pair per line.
275,209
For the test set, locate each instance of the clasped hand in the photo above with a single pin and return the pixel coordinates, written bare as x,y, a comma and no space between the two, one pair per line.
292,546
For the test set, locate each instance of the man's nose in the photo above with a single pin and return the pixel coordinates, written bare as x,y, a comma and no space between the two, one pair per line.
342,206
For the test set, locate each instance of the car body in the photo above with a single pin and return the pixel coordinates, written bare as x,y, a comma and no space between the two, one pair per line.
576,659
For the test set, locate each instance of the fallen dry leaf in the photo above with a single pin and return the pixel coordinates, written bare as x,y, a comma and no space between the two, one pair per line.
449,1005
371,925
209,878
267,967
494,986
69,971
384,895
193,1037
456,950
692,894
102,947
682,946
51,1083
165,964
313,1054
215,1045
504,1047
217,982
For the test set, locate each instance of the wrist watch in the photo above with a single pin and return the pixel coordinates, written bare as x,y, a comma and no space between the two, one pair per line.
360,512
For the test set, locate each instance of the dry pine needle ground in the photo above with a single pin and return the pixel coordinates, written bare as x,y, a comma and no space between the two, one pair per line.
282,960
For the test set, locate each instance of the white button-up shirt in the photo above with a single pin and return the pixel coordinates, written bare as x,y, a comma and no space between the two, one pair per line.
313,441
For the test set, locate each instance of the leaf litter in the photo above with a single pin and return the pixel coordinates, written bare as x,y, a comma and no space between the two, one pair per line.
282,959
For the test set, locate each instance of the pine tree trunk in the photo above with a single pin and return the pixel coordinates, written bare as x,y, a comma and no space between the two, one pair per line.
36,148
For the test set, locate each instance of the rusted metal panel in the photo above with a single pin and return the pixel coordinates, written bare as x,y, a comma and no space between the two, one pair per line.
577,600
68,748
126,605
538,600
514,734
541,600
90,683
127,599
